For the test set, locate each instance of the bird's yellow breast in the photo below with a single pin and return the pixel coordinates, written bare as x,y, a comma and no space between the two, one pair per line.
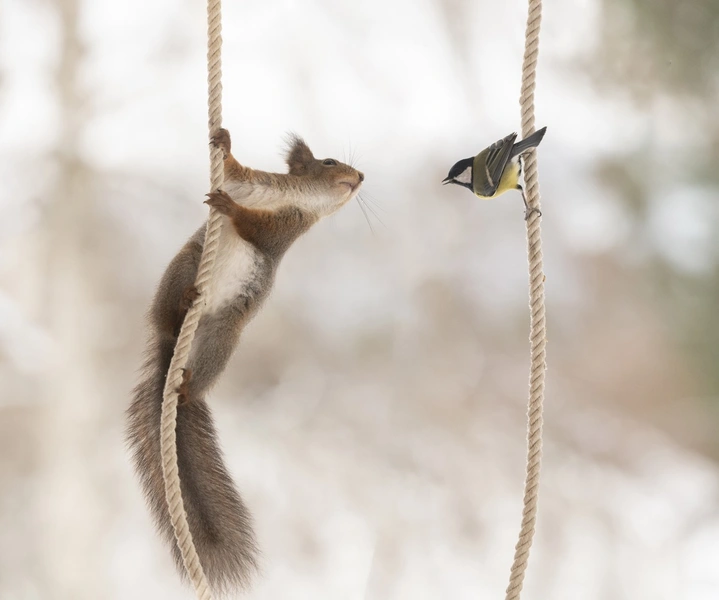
509,180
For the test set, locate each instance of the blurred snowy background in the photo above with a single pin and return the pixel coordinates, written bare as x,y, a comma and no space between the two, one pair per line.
374,414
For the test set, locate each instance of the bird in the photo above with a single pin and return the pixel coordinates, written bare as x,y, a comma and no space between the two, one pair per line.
496,169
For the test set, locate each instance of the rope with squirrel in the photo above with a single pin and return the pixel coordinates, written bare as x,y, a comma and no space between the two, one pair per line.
168,442
538,330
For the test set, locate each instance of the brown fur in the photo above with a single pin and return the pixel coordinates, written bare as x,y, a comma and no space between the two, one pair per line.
219,521
269,231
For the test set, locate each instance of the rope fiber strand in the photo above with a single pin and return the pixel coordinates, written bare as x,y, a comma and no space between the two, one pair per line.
538,331
168,440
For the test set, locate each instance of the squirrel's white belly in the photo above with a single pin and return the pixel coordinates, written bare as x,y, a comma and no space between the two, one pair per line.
236,266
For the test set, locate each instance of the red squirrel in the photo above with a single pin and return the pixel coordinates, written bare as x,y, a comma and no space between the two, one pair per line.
264,213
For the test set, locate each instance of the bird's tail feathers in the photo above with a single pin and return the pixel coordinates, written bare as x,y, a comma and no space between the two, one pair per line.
531,141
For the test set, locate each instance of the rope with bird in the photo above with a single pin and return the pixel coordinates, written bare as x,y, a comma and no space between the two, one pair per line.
538,331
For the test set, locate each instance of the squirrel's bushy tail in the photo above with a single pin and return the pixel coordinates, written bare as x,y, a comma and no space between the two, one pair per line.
219,521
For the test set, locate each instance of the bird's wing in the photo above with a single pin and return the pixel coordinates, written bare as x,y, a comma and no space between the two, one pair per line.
498,155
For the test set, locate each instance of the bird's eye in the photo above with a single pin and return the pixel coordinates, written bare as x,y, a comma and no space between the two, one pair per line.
329,162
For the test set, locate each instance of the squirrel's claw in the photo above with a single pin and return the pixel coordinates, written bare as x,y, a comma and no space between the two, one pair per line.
222,141
188,297
183,394
221,201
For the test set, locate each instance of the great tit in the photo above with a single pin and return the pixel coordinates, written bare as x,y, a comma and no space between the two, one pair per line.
495,169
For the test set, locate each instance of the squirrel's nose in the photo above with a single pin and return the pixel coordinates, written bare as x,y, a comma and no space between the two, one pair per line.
361,176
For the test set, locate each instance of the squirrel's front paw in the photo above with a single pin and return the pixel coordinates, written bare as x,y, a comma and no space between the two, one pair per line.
222,141
221,201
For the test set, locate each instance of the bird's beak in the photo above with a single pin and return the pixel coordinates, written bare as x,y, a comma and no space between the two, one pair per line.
446,180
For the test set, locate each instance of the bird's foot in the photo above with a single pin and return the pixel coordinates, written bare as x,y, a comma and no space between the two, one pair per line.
528,212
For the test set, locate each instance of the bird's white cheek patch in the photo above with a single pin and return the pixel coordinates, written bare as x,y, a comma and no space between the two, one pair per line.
465,176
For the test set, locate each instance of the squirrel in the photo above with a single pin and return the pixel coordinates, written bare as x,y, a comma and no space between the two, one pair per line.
263,213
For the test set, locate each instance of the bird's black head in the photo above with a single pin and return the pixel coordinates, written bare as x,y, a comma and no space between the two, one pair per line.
461,173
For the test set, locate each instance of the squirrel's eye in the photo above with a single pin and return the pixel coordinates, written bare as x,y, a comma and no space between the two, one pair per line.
330,162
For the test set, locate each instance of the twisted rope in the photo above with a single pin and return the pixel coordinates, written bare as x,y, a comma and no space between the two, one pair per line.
168,440
538,332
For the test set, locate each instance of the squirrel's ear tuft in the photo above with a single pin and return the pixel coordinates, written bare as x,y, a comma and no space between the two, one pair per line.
299,155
